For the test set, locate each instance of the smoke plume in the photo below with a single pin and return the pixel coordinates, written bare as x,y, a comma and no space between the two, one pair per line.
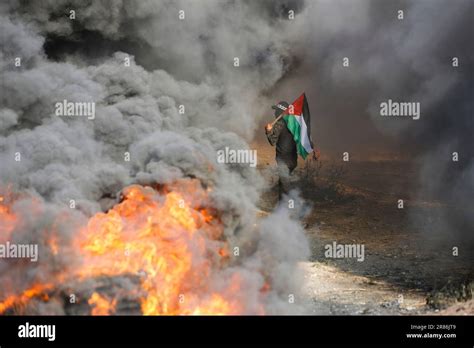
172,64
188,65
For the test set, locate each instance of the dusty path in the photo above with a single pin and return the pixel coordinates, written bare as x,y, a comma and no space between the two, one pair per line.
335,292
404,260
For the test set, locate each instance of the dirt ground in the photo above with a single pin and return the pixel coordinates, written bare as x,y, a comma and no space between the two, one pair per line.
406,257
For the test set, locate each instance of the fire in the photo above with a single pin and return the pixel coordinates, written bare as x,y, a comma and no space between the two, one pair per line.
7,217
168,239
101,305
9,220
53,245
37,290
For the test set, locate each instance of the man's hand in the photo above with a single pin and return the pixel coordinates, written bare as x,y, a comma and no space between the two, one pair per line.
268,127
316,154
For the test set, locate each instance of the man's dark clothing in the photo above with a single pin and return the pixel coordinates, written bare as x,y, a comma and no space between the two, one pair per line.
280,136
286,155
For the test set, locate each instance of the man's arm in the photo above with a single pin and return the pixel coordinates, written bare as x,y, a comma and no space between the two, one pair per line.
273,132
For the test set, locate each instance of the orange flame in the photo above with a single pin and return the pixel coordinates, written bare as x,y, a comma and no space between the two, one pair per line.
101,305
170,240
8,219
37,290
167,236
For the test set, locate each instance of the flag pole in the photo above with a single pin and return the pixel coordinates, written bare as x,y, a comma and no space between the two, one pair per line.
278,118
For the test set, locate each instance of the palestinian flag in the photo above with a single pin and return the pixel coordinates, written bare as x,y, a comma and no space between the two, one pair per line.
298,121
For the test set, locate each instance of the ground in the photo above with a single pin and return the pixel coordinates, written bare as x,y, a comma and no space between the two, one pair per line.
407,259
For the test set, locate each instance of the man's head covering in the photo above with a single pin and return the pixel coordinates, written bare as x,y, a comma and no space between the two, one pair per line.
280,107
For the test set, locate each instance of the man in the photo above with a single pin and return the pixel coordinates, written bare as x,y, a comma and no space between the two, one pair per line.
286,152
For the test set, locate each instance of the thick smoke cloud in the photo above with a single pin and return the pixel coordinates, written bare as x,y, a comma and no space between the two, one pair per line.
403,60
200,49
191,63
137,111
